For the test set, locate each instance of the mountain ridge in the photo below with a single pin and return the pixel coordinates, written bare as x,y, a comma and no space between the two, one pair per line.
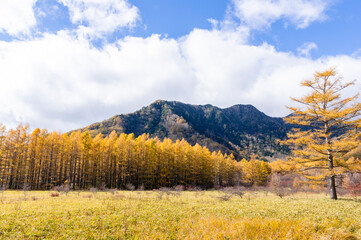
242,130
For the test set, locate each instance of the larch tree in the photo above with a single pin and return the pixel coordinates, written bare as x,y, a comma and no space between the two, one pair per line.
329,130
43,160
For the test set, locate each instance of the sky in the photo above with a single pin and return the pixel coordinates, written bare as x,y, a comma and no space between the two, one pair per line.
65,64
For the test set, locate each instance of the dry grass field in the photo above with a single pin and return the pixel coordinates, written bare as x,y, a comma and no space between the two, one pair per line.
176,215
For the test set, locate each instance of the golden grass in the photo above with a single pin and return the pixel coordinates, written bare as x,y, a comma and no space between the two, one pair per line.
188,215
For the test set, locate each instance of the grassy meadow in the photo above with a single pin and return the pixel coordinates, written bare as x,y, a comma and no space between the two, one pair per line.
176,215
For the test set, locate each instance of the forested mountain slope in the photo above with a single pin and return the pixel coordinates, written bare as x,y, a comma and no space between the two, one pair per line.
241,129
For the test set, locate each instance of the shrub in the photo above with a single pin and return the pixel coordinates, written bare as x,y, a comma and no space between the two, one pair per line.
353,185
102,186
225,197
54,194
93,190
228,192
129,186
141,188
179,188
64,189
113,191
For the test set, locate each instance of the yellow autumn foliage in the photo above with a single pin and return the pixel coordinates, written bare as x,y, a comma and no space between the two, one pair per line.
327,130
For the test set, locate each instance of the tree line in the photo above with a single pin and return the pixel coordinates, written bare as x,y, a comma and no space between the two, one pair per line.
43,160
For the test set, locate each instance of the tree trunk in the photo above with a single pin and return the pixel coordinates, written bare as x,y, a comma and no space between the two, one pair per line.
333,188
332,178
330,162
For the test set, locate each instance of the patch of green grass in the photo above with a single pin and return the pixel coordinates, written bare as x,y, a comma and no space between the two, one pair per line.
187,215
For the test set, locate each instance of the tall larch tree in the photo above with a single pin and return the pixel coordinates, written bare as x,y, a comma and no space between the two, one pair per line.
329,128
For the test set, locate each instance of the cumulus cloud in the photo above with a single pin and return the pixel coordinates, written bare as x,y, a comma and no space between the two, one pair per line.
60,81
75,84
17,17
229,71
101,17
259,14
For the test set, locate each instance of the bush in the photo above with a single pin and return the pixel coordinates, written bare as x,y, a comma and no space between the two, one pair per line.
54,194
194,188
228,192
179,188
129,186
65,189
102,187
93,190
353,185
113,191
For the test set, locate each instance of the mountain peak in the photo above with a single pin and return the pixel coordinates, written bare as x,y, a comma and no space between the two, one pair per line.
239,129
159,101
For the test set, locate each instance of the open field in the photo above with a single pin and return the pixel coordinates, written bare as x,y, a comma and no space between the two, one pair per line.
180,215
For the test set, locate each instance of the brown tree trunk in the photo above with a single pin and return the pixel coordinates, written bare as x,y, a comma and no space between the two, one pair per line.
333,188
330,162
332,178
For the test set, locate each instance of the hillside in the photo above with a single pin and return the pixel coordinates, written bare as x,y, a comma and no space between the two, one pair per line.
241,129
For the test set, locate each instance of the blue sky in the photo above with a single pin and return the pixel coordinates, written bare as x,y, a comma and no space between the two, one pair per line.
178,18
338,33
67,63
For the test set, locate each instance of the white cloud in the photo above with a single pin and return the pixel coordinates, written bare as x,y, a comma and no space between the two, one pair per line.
230,72
259,14
62,82
306,49
102,17
74,84
357,53
17,16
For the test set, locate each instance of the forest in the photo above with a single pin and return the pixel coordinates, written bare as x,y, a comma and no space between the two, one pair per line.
41,160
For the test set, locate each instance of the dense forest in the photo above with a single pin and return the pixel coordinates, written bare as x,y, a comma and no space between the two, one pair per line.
43,160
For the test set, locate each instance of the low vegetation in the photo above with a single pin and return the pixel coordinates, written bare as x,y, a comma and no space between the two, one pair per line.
227,214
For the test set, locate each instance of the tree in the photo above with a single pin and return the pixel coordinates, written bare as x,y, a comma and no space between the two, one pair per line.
329,130
255,172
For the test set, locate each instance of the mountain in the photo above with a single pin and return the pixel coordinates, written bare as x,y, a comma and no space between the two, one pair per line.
241,129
